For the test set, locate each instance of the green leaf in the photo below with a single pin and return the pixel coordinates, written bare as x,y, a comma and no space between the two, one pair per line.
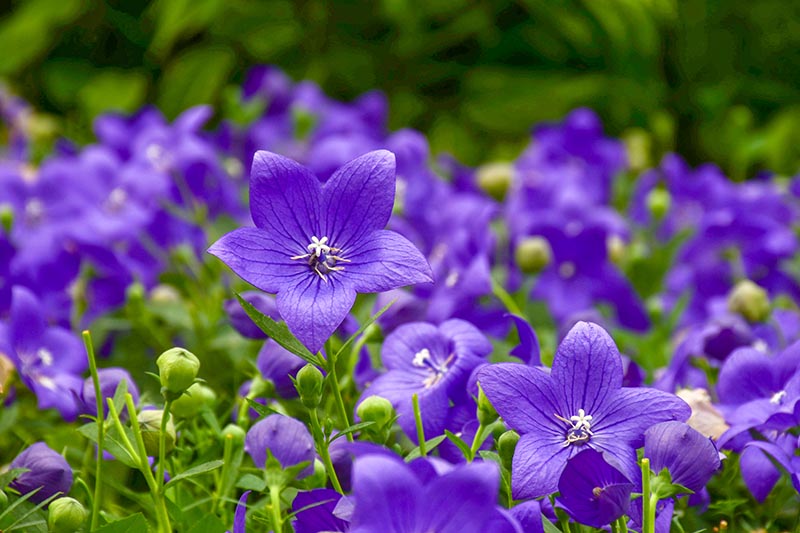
429,447
195,471
460,444
261,409
195,77
352,429
278,331
251,482
112,443
367,323
11,475
548,526
113,90
134,522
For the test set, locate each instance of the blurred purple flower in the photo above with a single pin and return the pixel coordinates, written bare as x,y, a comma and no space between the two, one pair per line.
47,469
110,379
287,439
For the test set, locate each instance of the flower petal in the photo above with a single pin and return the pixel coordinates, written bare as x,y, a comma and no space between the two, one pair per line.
285,199
314,308
587,367
384,260
358,198
461,500
523,396
386,496
403,343
259,259
537,465
746,375
27,324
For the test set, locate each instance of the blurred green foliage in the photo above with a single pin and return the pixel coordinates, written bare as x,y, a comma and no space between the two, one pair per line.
713,79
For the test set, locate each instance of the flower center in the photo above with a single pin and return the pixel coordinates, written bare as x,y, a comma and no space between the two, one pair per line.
437,370
778,397
322,257
579,430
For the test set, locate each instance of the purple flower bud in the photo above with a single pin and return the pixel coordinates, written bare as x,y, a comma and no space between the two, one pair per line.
109,381
690,457
47,469
286,438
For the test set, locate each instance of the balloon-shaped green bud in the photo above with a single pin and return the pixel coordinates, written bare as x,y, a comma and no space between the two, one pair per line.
506,445
309,382
177,368
150,426
65,515
376,409
658,203
750,301
235,434
533,254
495,179
192,402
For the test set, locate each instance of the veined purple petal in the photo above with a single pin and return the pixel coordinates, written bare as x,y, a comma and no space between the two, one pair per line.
405,341
285,199
528,348
286,438
384,260
314,308
524,397
537,465
358,199
588,367
758,472
529,516
466,338
387,496
454,502
320,517
690,457
746,375
240,515
260,259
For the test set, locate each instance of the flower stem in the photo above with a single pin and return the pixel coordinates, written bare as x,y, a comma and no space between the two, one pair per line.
420,429
275,504
337,393
506,299
476,442
98,394
162,446
648,507
322,448
623,525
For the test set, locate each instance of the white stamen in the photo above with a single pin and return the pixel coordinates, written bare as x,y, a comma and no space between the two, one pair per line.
452,279
778,397
580,428
322,257
34,210
45,356
318,246
46,382
421,357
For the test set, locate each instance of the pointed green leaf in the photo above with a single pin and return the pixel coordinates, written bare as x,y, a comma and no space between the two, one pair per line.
195,471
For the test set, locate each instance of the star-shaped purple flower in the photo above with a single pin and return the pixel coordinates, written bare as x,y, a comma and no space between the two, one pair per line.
580,404
317,246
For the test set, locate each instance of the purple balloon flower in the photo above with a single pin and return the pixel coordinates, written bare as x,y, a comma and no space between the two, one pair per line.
580,403
393,497
592,491
433,362
690,457
315,512
47,469
285,438
317,246
109,379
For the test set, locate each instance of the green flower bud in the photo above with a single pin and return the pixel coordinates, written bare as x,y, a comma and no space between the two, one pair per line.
616,248
506,445
261,388
750,301
6,218
319,478
658,203
150,426
65,515
486,412
235,434
309,386
196,396
178,369
376,409
495,179
639,146
533,254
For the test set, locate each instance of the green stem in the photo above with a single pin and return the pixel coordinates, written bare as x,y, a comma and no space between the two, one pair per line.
162,514
623,525
275,501
322,448
476,442
221,492
506,299
614,527
648,508
337,393
162,446
420,429
98,476
564,521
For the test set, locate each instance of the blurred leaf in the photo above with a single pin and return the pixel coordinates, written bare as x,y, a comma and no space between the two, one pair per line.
181,18
62,79
195,471
115,90
195,77
134,522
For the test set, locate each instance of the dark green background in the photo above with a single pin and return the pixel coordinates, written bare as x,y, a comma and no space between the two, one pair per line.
715,80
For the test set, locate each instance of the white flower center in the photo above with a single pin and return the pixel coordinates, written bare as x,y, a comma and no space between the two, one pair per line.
322,257
424,359
778,397
579,430
45,356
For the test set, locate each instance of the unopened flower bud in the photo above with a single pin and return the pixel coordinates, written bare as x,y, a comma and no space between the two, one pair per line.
533,254
486,412
658,203
150,426
65,515
309,386
234,433
196,396
750,301
178,369
6,218
616,248
320,477
495,179
376,409
506,445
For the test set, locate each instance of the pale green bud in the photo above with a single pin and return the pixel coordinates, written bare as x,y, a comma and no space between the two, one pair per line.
750,301
177,368
533,254
309,382
495,179
150,426
65,515
196,396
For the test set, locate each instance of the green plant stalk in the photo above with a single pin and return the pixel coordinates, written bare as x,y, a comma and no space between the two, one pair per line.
162,514
162,446
623,525
275,503
420,430
476,442
98,476
337,393
648,508
221,492
506,299
322,448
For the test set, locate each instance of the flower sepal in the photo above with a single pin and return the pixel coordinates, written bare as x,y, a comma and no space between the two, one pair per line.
662,487
277,476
